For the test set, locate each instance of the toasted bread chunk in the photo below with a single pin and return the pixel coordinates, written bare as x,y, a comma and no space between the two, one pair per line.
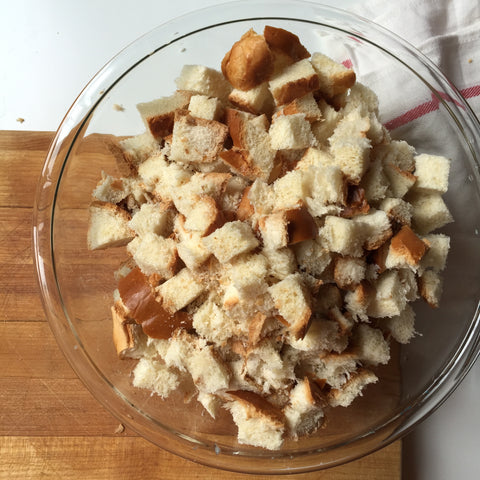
259,423
350,146
336,368
257,100
389,296
158,115
155,376
429,212
231,240
345,395
342,235
436,256
401,327
431,285
281,262
249,62
312,256
398,210
349,272
432,173
406,249
153,218
293,303
306,105
374,228
108,226
293,82
322,336
134,150
201,106
304,414
357,301
154,254
205,81
291,132
180,290
400,181
370,345
196,140
334,78
280,40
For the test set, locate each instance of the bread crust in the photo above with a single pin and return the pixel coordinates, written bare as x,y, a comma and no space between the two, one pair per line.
249,62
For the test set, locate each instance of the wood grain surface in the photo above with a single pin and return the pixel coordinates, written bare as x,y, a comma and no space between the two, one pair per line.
50,425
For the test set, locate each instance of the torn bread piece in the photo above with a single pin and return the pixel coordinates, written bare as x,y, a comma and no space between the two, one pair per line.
293,82
334,78
293,304
291,132
196,140
354,386
249,62
230,240
304,413
158,115
406,249
259,423
108,226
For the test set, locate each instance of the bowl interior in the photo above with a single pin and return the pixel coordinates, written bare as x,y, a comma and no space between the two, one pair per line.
419,375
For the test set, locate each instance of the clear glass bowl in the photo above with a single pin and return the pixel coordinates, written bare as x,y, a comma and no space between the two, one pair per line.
77,284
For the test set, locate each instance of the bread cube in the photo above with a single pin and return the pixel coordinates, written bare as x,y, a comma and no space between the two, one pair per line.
204,80
281,262
190,248
179,291
432,173
259,423
154,218
342,235
429,212
400,181
306,105
158,115
212,323
201,106
196,140
374,228
352,388
398,153
398,210
230,240
108,226
257,100
370,345
334,78
401,327
406,249
431,286
293,304
155,376
248,273
293,82
291,190
389,298
154,254
304,413
349,272
375,182
350,146
291,132
323,129
436,255
312,257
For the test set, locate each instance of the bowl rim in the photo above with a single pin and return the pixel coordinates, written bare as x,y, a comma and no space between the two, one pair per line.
77,118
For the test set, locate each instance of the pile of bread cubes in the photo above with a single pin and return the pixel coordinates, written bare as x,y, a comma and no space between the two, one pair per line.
276,236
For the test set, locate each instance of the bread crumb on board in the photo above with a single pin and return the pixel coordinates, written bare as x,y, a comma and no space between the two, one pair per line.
276,235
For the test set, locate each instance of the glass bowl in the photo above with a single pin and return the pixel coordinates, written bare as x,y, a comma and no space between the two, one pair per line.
77,284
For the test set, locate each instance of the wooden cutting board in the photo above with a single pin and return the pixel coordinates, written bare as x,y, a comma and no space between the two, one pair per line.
50,425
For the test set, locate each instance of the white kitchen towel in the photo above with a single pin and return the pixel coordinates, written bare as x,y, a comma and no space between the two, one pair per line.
446,31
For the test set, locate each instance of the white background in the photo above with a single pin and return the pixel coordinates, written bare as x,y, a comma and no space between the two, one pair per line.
50,49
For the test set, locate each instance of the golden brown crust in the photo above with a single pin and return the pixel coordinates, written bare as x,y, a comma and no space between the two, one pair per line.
408,245
256,405
240,162
295,89
245,209
138,297
249,62
286,42
300,225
